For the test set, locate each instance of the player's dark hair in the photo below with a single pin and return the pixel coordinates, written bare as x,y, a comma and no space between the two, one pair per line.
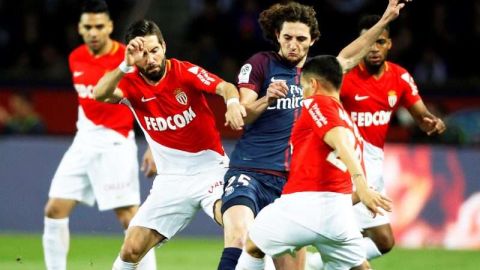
95,6
271,20
326,67
367,21
143,28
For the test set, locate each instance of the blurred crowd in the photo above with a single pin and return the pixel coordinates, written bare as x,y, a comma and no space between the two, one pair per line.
437,41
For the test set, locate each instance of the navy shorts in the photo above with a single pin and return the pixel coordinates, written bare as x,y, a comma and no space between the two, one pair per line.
250,188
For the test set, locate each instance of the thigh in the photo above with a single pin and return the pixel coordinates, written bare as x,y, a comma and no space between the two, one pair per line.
71,178
115,176
169,207
210,192
340,255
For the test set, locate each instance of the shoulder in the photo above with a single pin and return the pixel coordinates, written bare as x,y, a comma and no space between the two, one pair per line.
78,53
396,68
261,58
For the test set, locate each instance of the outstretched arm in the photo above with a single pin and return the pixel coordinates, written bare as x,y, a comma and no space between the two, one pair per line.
351,55
427,122
338,139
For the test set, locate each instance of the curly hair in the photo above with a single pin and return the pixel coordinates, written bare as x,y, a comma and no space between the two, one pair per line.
271,20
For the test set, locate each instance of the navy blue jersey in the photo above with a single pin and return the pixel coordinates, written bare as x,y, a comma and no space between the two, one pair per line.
265,143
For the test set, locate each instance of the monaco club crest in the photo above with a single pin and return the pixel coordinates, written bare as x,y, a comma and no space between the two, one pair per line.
392,98
181,96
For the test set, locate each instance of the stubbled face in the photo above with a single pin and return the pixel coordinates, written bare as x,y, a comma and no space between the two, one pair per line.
378,52
308,88
295,41
152,64
95,29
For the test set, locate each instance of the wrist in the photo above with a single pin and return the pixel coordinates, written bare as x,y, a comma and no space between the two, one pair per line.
125,68
233,100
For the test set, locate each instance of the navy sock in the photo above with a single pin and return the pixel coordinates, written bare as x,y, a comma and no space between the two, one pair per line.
229,258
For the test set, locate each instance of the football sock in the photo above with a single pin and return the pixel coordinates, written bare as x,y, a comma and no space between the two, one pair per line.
247,262
371,248
148,261
313,261
229,258
119,264
269,265
55,240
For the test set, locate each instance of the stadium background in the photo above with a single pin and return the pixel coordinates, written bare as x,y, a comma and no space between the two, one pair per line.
434,181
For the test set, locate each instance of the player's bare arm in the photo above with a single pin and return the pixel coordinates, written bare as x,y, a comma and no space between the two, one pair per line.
256,106
427,122
106,89
337,138
351,55
235,111
148,164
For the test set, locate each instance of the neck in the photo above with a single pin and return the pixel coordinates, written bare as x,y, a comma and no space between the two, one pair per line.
106,49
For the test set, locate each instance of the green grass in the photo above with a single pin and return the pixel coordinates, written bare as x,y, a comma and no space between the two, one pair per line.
24,252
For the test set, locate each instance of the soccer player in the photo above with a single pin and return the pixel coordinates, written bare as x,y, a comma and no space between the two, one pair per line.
167,99
371,93
316,203
271,92
101,164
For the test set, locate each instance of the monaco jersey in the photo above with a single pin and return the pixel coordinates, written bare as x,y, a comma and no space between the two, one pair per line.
87,70
315,165
371,101
175,117
264,143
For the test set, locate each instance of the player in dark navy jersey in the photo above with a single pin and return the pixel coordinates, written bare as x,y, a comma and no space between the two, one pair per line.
270,90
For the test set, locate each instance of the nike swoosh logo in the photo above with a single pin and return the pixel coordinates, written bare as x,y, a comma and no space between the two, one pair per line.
360,98
148,99
77,73
276,80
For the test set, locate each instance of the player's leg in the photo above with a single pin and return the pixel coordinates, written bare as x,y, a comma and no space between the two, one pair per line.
289,261
138,241
378,240
69,186
252,258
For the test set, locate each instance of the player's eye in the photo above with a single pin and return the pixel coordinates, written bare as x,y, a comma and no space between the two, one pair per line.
87,27
381,41
100,27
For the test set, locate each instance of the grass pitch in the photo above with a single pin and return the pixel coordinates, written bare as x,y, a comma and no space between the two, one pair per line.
24,252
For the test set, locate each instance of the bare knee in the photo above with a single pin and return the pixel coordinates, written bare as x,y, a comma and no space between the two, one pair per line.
132,252
253,250
236,221
125,214
59,208
138,242
382,236
364,266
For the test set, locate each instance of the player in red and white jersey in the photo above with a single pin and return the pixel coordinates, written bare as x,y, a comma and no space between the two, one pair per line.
316,204
101,164
167,99
371,93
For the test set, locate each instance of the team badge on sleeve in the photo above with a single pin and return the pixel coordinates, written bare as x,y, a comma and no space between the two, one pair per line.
244,75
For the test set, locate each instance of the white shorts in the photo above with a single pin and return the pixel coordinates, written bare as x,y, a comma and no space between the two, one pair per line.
174,200
107,174
373,160
322,219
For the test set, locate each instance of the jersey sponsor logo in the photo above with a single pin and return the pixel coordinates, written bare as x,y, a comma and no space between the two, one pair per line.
77,73
172,122
148,99
360,98
294,100
409,79
180,96
317,115
366,119
84,91
392,98
244,75
202,75
276,80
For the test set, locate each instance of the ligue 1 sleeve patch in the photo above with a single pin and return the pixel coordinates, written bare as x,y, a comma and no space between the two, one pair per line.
244,75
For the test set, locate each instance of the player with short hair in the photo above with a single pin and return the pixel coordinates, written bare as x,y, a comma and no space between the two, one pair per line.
168,101
371,93
101,164
315,207
270,89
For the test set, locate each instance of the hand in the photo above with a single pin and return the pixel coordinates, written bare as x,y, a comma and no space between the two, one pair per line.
277,89
373,200
432,125
234,116
393,9
134,51
148,165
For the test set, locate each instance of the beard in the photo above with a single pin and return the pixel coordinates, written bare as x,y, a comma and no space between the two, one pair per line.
373,68
154,76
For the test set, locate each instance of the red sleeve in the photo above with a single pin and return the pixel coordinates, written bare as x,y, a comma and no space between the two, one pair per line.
325,115
410,91
198,78
123,86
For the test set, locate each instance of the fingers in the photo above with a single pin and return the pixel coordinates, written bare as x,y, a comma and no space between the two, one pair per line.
277,89
234,116
433,126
